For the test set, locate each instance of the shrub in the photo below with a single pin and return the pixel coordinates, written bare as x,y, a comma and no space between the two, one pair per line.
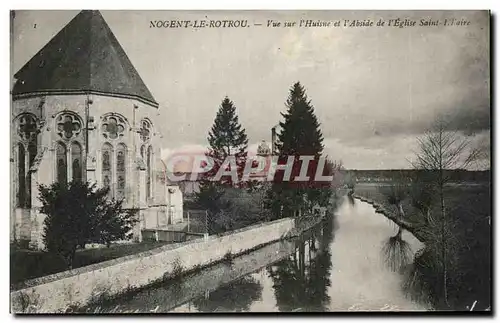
78,213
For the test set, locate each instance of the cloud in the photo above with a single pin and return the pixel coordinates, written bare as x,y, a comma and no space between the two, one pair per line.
378,154
373,89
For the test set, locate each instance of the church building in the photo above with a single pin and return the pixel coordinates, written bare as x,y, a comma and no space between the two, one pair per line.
80,111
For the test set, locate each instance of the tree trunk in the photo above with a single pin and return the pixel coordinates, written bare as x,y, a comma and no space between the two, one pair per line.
443,238
401,214
401,211
443,250
400,232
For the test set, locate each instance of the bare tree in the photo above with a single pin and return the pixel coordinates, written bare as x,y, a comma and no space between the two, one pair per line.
395,194
441,150
397,251
422,196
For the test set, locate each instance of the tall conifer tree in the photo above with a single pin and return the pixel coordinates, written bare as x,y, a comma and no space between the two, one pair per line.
300,136
300,133
226,138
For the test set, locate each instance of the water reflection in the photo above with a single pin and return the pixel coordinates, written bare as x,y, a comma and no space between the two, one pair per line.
351,199
301,281
336,266
235,297
397,253
222,287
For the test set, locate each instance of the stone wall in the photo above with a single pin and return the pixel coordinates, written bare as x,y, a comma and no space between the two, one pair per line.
55,293
20,220
168,296
46,111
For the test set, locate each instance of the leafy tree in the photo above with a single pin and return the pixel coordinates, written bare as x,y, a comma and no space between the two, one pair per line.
300,136
226,138
78,213
349,181
323,190
240,208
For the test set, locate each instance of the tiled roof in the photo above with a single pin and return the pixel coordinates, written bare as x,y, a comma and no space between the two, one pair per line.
84,57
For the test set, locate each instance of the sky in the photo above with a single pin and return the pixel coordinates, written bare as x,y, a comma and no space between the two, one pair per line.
374,89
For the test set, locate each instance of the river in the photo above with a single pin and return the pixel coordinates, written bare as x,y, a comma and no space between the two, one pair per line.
337,266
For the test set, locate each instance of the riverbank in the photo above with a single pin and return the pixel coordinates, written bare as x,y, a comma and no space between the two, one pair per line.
469,212
390,215
167,295
337,266
80,287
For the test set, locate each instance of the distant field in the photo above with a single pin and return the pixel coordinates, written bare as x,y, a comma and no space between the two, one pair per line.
470,206
465,202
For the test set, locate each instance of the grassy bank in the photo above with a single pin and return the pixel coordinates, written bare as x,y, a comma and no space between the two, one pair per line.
469,207
28,264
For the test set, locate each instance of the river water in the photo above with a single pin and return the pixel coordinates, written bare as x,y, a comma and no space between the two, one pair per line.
337,266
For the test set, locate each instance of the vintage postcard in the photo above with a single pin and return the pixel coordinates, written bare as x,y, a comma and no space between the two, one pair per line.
250,161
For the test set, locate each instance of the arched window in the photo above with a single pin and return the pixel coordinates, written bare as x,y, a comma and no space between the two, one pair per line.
21,175
149,171
145,131
27,125
32,151
76,161
69,152
107,159
61,162
121,157
27,134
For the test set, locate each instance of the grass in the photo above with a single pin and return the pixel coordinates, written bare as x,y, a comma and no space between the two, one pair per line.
27,264
469,208
228,257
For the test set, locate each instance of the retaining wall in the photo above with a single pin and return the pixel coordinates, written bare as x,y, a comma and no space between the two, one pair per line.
78,287
165,297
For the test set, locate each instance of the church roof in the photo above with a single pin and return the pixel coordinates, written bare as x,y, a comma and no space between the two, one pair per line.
84,57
